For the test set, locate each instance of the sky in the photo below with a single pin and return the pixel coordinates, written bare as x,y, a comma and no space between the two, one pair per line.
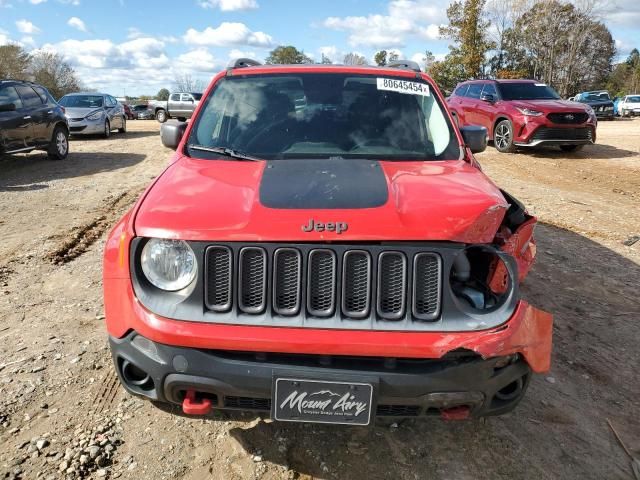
136,47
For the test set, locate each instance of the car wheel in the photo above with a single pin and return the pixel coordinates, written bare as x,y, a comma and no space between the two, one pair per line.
571,148
503,137
107,129
161,116
123,129
59,146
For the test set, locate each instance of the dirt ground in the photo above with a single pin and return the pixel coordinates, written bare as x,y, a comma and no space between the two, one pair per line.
64,415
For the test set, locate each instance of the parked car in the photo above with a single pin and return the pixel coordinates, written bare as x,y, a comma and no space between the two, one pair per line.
599,101
128,112
143,112
93,113
523,113
629,106
180,105
331,262
30,119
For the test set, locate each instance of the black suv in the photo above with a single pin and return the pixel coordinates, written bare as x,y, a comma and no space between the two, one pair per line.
30,119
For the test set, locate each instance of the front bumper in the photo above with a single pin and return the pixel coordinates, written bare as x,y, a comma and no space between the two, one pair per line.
243,381
535,131
86,127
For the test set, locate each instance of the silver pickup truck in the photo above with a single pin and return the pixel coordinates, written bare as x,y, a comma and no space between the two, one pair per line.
180,105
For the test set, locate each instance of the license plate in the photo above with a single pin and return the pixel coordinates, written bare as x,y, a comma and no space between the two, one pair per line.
319,401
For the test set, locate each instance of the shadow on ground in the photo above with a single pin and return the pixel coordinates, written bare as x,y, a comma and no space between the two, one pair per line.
558,431
33,171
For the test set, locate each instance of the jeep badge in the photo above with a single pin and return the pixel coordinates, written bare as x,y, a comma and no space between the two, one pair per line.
337,227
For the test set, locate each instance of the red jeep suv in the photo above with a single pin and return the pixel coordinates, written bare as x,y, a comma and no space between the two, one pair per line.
523,113
323,247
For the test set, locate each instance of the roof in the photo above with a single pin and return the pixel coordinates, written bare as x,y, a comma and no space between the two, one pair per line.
87,93
394,68
502,80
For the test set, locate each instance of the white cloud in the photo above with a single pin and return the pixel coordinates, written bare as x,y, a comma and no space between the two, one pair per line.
229,5
25,26
227,34
75,22
37,2
332,53
29,41
4,38
235,53
198,60
403,18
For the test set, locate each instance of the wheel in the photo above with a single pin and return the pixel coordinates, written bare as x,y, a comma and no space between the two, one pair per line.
59,146
503,137
107,129
571,148
161,116
123,129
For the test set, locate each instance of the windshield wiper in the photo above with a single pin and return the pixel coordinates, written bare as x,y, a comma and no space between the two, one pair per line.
226,152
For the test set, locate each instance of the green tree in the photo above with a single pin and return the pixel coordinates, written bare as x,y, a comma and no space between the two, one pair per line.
380,58
468,29
163,94
447,73
51,71
14,62
287,55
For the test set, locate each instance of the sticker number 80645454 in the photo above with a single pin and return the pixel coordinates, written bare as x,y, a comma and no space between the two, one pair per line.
403,86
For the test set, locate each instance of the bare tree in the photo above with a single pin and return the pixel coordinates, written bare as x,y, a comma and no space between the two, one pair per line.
186,83
354,59
14,62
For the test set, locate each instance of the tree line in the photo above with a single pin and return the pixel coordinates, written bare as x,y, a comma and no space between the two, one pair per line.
45,68
560,43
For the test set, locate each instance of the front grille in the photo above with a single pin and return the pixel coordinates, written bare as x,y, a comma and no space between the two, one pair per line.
568,118
397,410
322,286
248,403
550,133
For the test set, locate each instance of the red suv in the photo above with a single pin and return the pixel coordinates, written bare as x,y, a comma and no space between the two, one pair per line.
523,113
323,247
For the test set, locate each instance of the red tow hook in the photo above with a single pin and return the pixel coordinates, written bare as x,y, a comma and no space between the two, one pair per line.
193,406
455,413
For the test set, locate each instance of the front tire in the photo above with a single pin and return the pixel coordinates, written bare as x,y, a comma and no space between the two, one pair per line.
503,137
571,148
59,146
107,129
161,116
123,129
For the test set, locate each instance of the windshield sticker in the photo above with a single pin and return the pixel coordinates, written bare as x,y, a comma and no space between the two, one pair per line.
403,86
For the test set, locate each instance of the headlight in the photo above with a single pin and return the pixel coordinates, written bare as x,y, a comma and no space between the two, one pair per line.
168,264
528,112
95,115
482,281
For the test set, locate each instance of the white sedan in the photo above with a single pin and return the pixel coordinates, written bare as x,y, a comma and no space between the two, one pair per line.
630,105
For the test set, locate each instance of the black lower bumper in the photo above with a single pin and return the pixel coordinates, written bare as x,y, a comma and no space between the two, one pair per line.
243,380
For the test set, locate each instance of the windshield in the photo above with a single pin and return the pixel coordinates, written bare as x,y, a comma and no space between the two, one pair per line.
633,99
324,116
595,97
140,107
527,91
81,101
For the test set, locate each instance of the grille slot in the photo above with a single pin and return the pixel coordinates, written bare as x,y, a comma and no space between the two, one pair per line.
398,410
248,403
552,133
287,269
252,284
219,262
356,284
392,283
426,286
321,283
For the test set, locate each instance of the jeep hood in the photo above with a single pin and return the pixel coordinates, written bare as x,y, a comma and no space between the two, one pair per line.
228,200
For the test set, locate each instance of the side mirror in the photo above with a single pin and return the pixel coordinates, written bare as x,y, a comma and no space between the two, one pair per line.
7,107
475,137
171,134
487,97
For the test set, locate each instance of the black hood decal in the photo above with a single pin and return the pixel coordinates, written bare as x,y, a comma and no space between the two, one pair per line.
323,184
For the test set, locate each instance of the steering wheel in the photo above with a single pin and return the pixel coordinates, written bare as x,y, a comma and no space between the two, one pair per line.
263,132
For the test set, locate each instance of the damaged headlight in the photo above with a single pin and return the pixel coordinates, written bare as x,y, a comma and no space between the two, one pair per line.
97,115
482,280
168,264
